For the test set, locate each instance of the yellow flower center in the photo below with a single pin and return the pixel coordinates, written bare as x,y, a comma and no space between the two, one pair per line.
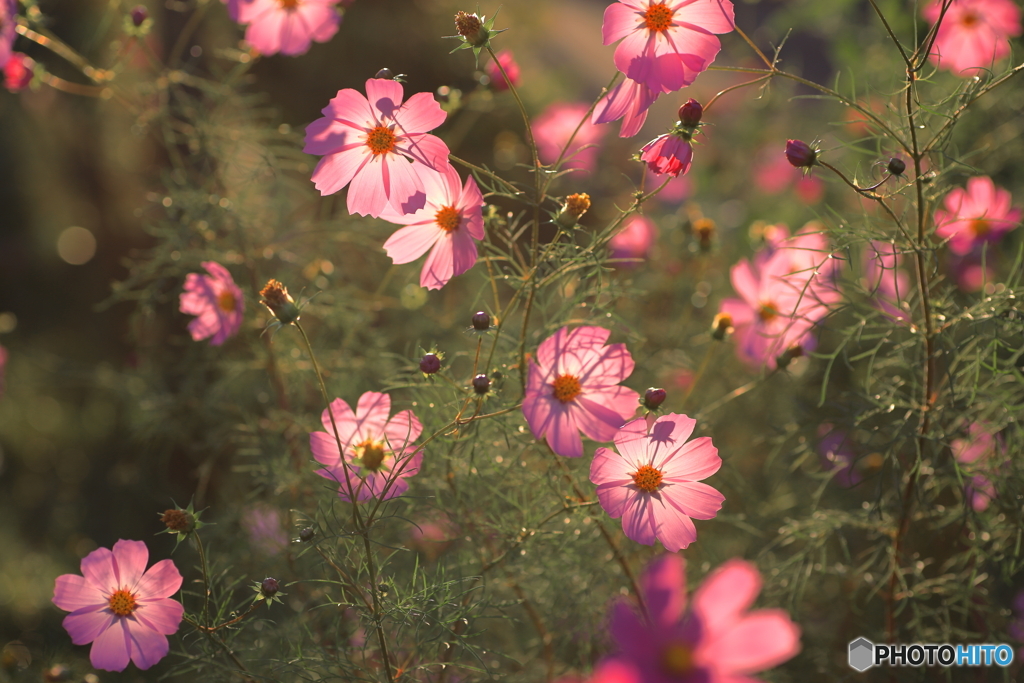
448,218
566,387
677,659
647,478
969,19
122,602
380,140
980,227
658,17
370,454
226,301
768,311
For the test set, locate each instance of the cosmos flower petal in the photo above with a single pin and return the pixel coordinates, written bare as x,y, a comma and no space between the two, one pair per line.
696,460
411,242
673,527
86,625
162,580
162,615
72,592
100,568
758,641
638,519
660,583
420,113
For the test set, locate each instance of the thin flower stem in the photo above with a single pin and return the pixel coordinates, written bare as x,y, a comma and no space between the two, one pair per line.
484,172
58,47
734,394
769,63
955,116
58,83
210,629
590,112
714,99
206,577
700,371
892,36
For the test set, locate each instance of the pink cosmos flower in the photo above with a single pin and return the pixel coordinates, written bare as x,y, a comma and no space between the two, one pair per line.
553,128
379,451
120,607
653,482
634,241
370,142
713,639
216,301
669,154
8,17
286,26
775,175
508,63
970,273
979,214
628,101
675,192
447,225
18,72
973,34
666,43
975,454
263,525
887,283
573,387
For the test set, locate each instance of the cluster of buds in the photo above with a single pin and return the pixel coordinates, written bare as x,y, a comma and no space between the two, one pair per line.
575,206
276,298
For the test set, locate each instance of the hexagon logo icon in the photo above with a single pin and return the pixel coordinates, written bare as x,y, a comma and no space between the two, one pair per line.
862,654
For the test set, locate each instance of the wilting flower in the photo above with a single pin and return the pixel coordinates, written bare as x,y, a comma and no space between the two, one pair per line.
379,452
653,481
979,214
713,638
120,607
973,34
286,26
447,226
628,101
18,72
508,63
555,126
887,284
216,301
371,140
975,454
666,43
634,241
573,388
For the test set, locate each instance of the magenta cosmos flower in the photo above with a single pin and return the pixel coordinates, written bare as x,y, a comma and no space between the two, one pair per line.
120,607
973,34
18,72
379,451
634,241
508,63
216,301
628,101
555,126
8,17
666,43
979,214
447,226
286,26
669,153
573,388
653,481
378,144
714,638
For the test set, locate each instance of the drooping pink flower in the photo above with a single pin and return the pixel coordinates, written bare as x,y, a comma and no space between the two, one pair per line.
653,481
379,451
666,43
634,241
508,63
447,226
973,34
369,141
286,26
888,285
981,213
573,387
628,101
120,607
715,638
18,72
216,301
8,18
669,154
553,128
976,454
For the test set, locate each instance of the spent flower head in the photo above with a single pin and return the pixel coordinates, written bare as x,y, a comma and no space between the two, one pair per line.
475,31
276,298
181,521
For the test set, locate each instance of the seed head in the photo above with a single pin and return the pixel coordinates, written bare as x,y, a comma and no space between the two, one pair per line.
430,364
471,28
281,304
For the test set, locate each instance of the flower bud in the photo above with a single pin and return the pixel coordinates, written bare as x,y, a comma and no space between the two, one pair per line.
721,326
481,384
385,73
276,298
791,354
690,113
800,154
178,521
471,28
430,364
896,166
704,229
575,206
139,14
269,587
481,321
654,398
307,534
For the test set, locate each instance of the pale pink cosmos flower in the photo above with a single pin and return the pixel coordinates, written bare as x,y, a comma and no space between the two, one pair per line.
573,387
887,283
628,101
979,214
653,481
553,128
448,226
508,63
666,43
379,452
634,241
120,607
369,141
975,454
974,33
216,301
715,638
669,154
286,26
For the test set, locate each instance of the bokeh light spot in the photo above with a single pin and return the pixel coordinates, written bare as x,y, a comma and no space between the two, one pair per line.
76,246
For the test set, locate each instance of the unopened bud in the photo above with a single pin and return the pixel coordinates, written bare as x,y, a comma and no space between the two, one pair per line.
704,229
471,28
481,321
307,534
385,73
276,298
690,113
481,384
269,587
791,354
139,14
430,364
654,398
178,521
800,154
896,166
721,326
